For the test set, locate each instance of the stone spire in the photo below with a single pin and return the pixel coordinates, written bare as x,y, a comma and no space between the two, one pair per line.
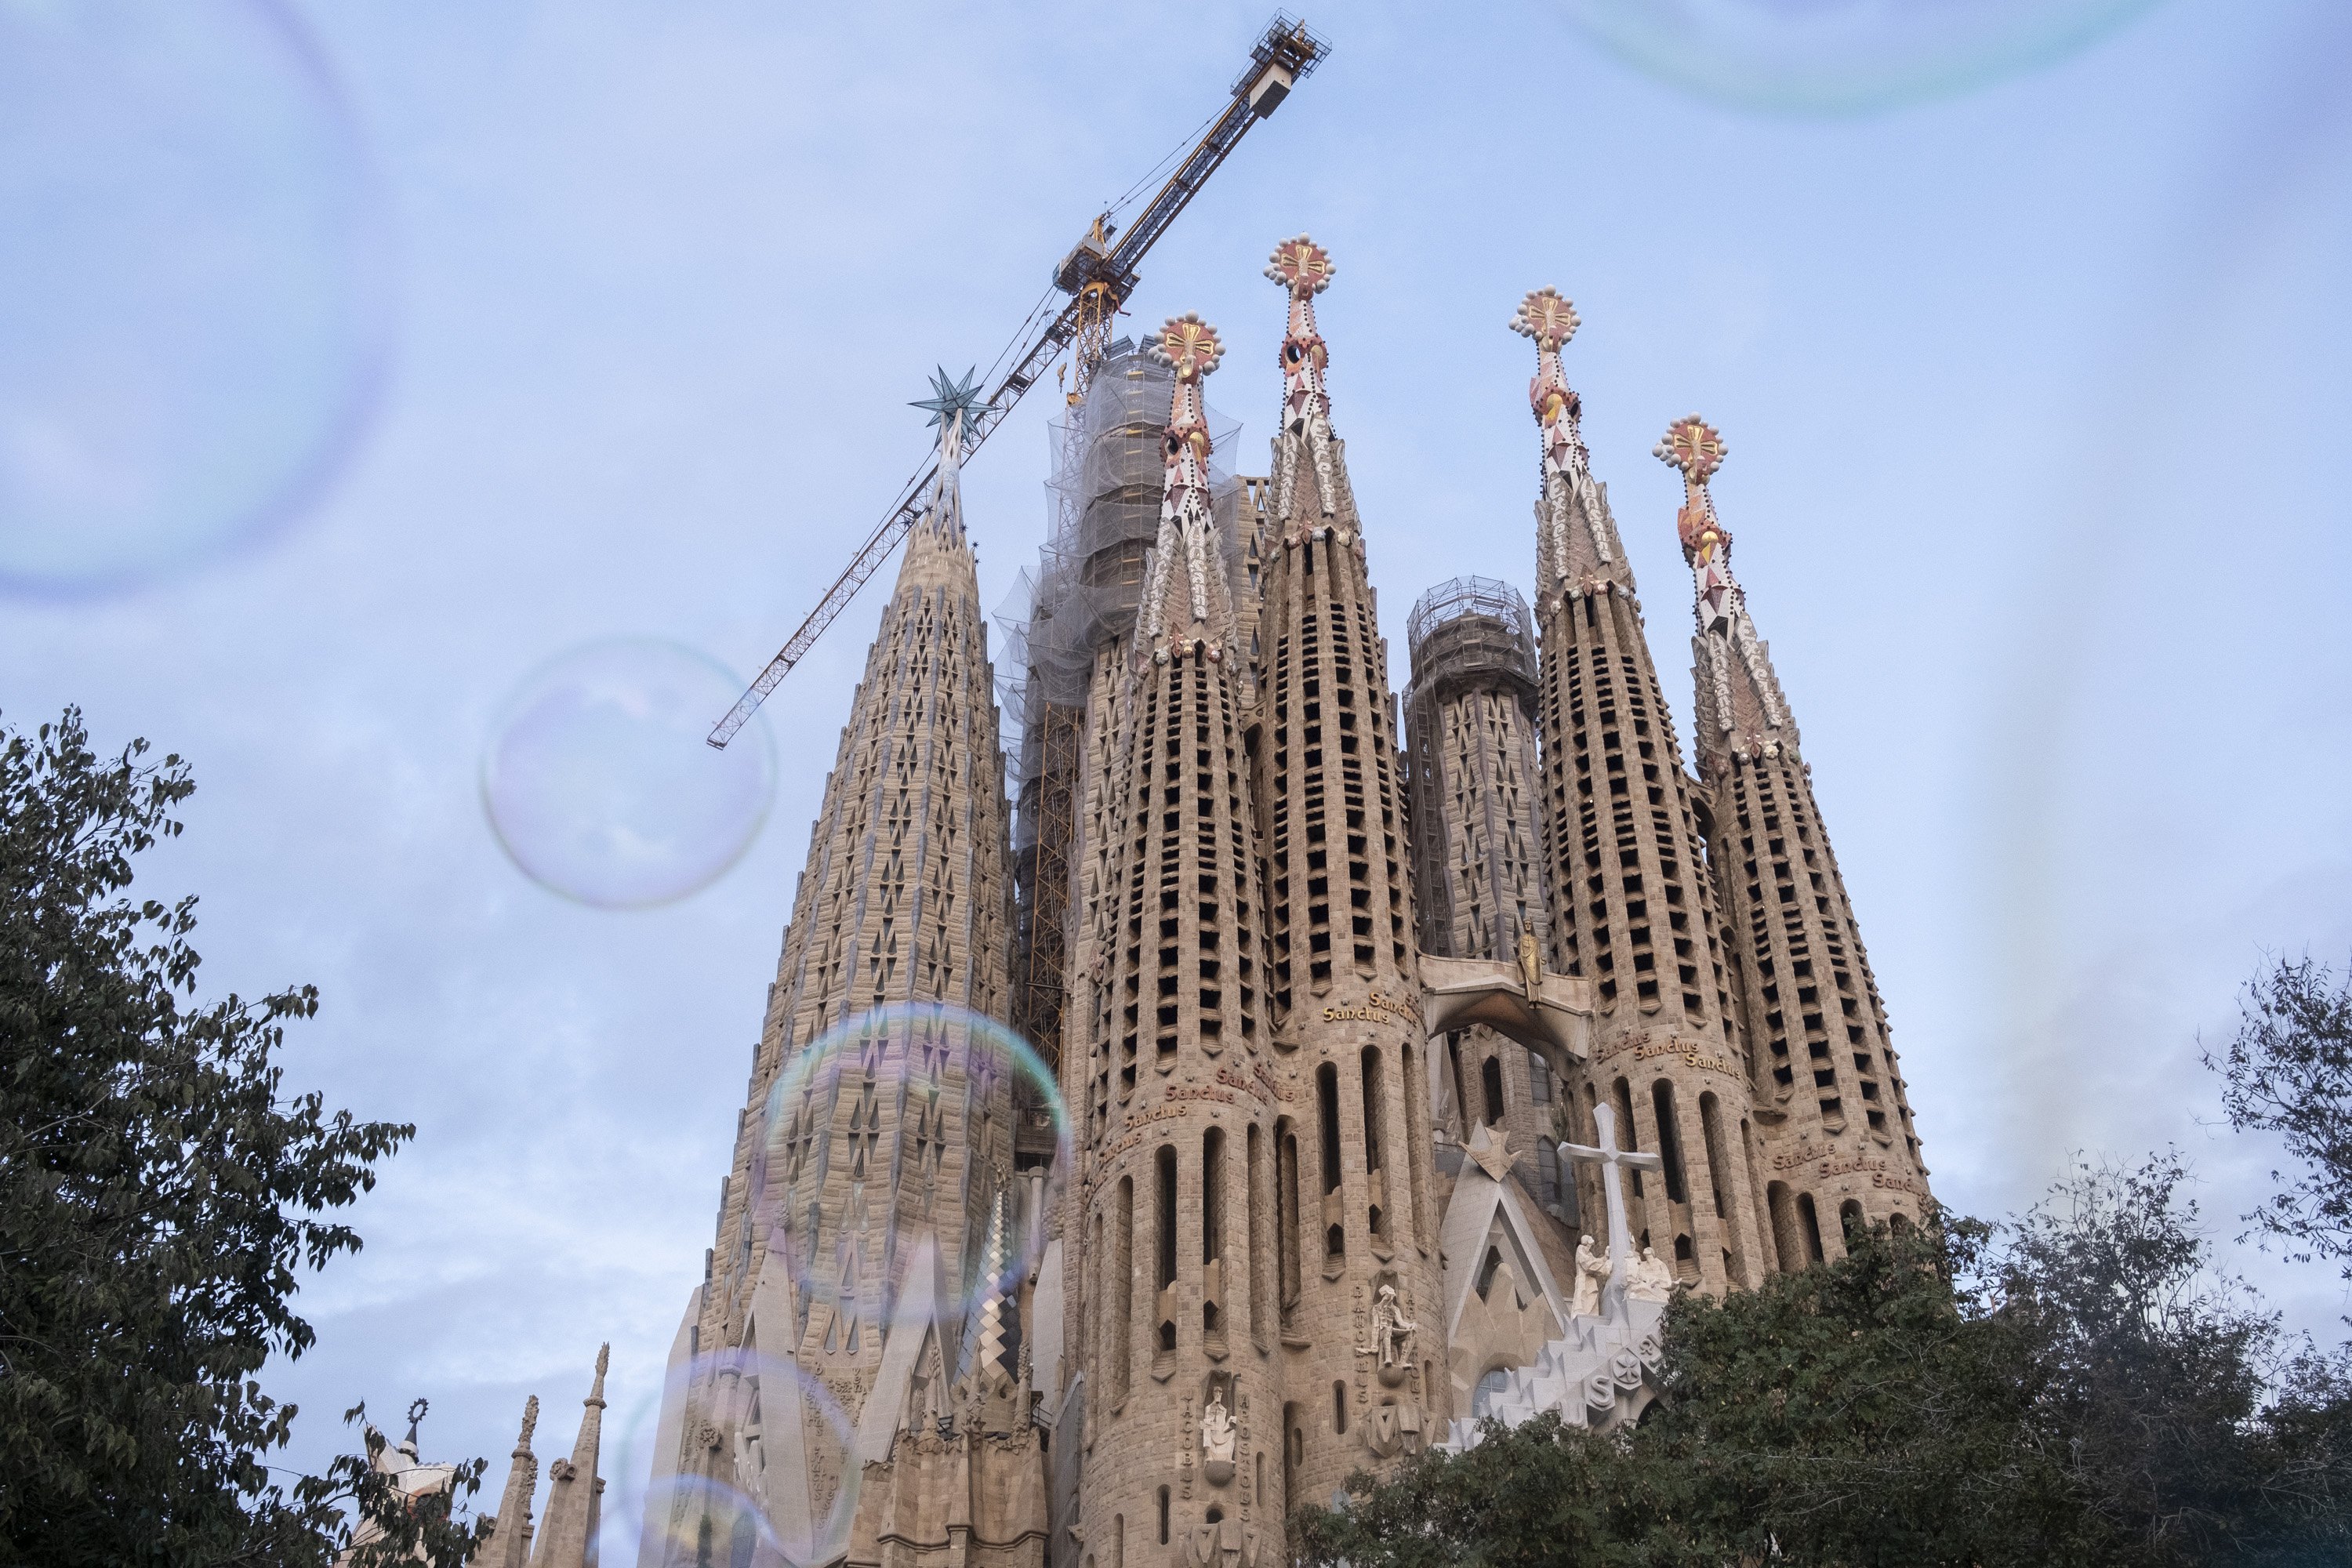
1357,1156
1833,1114
1576,538
1633,906
575,1493
508,1545
859,1169
1174,1233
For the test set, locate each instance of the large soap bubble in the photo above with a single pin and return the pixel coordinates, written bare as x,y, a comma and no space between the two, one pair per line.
599,784
929,1076
679,1499
1833,57
193,308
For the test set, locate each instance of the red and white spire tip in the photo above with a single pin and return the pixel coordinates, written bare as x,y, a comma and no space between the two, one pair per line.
1303,439
1191,347
1697,448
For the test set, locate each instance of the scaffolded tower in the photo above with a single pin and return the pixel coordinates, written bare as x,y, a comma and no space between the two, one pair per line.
1634,907
1081,599
1838,1129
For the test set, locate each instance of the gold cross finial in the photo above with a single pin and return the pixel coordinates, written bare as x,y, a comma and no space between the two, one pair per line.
1546,315
1695,447
1188,345
1301,266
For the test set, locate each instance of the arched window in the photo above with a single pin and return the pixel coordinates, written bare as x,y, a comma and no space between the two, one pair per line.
1490,1078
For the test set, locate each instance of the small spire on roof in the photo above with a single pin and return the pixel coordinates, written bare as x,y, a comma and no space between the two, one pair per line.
1304,269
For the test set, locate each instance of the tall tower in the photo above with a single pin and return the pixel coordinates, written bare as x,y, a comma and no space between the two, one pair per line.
1358,1246
1838,1135
1478,863
874,1160
1633,905
1177,1337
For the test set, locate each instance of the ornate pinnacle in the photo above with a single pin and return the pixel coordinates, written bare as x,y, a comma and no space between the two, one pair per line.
1695,447
1301,266
953,403
1546,316
1188,346
1698,449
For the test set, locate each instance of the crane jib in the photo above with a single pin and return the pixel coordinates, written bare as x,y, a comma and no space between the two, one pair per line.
1283,53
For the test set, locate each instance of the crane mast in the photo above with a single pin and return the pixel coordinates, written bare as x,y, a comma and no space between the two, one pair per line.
1099,276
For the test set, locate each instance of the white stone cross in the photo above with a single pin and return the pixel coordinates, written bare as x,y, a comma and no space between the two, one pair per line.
1608,1157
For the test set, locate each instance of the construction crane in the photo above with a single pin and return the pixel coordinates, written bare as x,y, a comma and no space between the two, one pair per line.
1098,275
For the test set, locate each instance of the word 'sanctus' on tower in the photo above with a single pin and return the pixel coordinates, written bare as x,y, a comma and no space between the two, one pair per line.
1838,1134
1633,907
1358,1228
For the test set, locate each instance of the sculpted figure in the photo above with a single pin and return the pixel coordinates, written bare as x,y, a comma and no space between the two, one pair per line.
1217,1429
1391,1328
1591,1273
1651,1277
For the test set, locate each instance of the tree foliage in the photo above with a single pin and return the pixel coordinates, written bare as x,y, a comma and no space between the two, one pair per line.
160,1189
2074,1386
2289,1071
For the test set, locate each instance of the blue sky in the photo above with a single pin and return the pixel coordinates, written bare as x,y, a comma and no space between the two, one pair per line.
2033,392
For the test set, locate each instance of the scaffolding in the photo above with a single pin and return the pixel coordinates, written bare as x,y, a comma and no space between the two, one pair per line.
1103,504
1472,633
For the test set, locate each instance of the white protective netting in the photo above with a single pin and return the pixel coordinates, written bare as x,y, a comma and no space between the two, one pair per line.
1103,519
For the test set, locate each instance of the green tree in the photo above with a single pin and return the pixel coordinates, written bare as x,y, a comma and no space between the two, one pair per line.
159,1190
2289,1071
2072,1387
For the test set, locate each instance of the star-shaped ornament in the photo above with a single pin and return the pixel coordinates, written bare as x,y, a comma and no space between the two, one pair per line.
950,396
1491,1149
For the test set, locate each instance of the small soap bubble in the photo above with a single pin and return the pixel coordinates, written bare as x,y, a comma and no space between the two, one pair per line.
193,310
599,783
937,1075
1843,57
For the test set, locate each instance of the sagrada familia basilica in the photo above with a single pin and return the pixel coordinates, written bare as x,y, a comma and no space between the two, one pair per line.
1254,1077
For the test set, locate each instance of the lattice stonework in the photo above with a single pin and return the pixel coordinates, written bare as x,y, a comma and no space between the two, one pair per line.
1839,1142
1634,905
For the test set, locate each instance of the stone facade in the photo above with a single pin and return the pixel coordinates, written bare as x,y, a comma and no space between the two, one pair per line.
1339,993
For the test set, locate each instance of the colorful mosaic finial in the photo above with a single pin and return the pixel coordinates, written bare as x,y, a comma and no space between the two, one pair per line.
1696,447
1733,658
1188,346
1546,316
1191,347
1302,435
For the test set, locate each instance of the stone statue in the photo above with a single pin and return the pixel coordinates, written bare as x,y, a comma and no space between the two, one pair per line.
1530,964
1652,1279
1217,1429
1390,1329
1591,1273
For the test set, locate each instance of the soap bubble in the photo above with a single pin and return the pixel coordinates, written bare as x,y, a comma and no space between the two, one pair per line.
193,315
1835,57
696,1503
599,784
923,1074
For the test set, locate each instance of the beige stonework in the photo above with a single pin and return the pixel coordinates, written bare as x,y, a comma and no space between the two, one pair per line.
1331,988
